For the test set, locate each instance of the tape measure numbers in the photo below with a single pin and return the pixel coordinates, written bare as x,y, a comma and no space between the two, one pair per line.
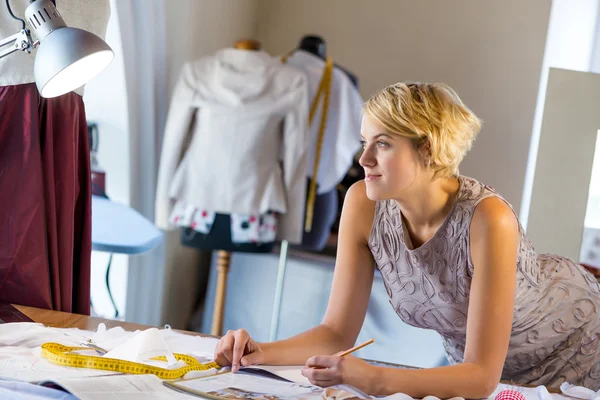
63,355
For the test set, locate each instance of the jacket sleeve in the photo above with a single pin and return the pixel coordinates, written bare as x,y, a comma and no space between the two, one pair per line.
179,119
348,132
295,159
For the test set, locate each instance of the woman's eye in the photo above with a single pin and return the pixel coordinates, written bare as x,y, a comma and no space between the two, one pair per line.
382,144
363,144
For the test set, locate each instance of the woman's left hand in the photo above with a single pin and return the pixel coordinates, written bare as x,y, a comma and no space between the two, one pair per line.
327,371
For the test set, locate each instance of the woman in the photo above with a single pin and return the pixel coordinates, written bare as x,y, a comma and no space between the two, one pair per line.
453,257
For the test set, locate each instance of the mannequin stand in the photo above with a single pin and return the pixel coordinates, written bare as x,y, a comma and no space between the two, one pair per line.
223,262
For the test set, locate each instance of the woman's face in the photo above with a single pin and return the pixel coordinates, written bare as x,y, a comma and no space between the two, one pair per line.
391,162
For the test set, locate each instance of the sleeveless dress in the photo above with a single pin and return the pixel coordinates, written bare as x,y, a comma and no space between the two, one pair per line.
556,321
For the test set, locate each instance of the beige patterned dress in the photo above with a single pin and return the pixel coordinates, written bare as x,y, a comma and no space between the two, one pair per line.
556,321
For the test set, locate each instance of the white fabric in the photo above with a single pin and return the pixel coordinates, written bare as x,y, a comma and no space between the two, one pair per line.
17,68
261,229
579,392
21,359
341,392
341,140
258,229
238,101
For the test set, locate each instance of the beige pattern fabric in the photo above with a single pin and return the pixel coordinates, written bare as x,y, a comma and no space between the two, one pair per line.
556,321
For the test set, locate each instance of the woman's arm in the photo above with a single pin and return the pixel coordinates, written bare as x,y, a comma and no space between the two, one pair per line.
494,241
349,298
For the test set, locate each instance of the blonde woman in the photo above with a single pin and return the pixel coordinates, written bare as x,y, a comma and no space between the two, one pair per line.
453,257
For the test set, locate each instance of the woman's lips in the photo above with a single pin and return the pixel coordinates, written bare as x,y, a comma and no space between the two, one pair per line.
372,177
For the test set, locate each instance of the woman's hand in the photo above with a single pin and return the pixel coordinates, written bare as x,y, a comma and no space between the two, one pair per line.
333,370
237,348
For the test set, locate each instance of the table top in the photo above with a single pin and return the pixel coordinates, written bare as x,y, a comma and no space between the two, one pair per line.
117,228
58,319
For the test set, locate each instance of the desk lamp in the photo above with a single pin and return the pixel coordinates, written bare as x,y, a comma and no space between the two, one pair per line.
67,58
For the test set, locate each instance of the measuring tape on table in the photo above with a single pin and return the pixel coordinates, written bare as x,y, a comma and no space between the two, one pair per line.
63,355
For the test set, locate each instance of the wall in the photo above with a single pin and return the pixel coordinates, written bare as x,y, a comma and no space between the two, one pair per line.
571,44
490,52
196,28
564,167
105,100
250,300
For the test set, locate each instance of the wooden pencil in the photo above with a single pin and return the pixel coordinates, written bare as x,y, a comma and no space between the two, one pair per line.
355,348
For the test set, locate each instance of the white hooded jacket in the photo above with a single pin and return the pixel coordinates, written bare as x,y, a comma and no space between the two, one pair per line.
246,116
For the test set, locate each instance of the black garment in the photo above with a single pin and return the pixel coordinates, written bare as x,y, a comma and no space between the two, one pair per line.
325,215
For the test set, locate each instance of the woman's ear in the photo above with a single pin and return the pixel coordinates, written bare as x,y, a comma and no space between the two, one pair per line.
424,149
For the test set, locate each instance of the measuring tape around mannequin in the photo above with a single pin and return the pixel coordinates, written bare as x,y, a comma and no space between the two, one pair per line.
63,355
323,92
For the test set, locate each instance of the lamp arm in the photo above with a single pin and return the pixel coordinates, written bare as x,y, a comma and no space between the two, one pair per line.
19,41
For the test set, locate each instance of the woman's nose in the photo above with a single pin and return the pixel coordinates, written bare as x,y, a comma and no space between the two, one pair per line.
366,159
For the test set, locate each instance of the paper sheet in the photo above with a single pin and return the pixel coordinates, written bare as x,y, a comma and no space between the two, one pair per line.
245,386
120,387
291,373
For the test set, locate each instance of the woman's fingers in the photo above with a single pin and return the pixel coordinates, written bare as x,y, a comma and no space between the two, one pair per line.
322,371
250,359
322,361
217,350
321,377
321,374
241,338
236,349
227,348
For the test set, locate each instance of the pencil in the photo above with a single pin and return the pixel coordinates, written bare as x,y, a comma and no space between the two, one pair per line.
352,350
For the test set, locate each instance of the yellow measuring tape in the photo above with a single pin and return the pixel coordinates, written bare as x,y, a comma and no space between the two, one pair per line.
323,91
63,355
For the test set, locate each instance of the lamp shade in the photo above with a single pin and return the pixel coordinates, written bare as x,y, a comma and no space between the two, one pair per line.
67,58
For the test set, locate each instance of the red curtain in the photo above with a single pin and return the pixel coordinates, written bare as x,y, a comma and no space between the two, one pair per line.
45,200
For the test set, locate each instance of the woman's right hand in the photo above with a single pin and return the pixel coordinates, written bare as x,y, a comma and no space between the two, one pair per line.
237,349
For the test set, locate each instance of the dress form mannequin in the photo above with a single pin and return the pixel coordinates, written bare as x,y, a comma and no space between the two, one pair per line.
224,255
220,235
316,45
326,204
235,145
247,44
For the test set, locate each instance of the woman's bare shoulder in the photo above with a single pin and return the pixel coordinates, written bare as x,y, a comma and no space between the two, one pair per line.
359,211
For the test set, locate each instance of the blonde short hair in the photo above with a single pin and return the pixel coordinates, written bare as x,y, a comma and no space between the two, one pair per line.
427,113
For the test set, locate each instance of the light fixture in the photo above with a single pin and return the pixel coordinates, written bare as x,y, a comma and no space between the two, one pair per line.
67,58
